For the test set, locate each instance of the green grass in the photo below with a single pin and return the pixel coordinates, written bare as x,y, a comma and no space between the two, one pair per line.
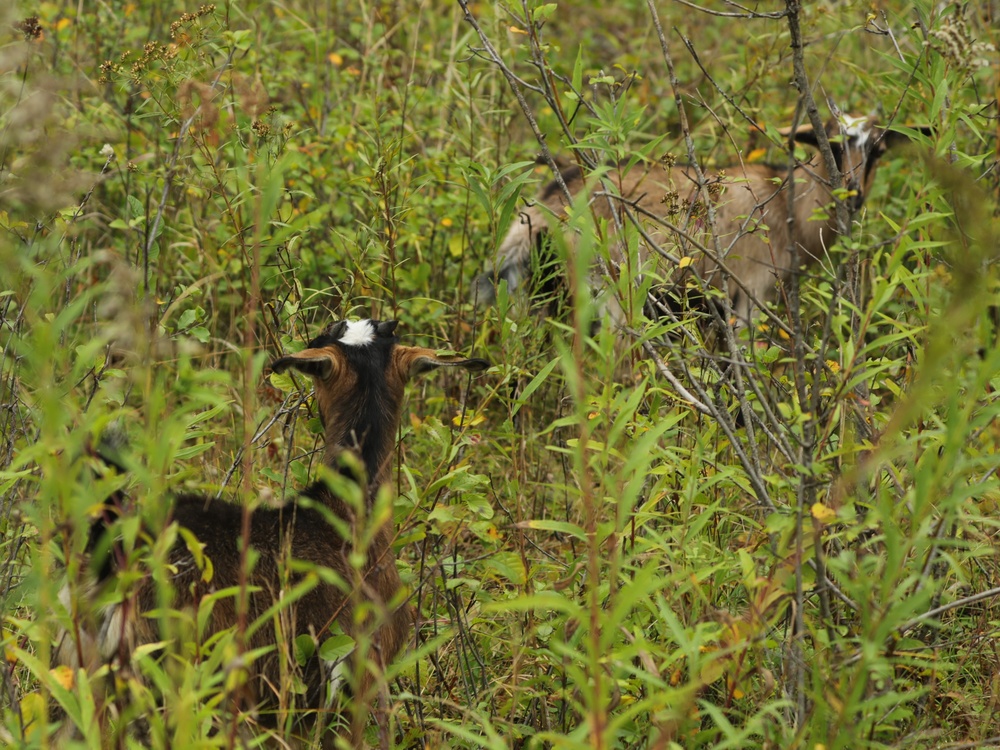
596,564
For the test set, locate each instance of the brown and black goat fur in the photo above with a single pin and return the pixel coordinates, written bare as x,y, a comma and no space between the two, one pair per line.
755,232
359,371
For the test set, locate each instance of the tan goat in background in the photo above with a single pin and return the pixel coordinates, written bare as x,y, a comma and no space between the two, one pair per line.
754,232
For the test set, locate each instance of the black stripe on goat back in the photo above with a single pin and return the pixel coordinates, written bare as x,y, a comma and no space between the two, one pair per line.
373,399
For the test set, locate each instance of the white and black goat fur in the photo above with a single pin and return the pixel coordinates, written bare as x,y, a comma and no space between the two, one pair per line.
359,370
754,229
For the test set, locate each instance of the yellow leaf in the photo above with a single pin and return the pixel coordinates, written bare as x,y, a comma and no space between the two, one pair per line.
455,246
446,222
33,715
62,23
834,366
757,154
63,675
469,421
336,59
733,688
711,670
515,30
208,572
684,262
823,514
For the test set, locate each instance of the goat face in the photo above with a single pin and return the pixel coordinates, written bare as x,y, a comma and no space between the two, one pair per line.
360,371
858,144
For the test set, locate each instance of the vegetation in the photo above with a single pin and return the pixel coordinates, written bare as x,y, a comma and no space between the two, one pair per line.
786,538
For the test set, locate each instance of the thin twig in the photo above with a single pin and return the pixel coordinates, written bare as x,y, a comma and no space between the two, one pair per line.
957,604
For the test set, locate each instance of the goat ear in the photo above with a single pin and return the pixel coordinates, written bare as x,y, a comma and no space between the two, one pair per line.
313,362
411,360
386,328
804,134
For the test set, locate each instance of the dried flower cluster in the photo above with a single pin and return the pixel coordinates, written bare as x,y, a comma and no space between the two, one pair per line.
261,129
151,52
30,27
716,186
187,18
954,42
672,203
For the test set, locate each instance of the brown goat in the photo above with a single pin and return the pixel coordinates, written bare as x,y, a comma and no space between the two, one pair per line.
753,229
359,371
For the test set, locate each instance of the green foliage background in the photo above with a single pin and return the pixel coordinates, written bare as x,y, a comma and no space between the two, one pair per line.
187,193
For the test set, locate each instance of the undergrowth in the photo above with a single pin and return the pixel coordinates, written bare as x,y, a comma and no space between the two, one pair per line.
787,543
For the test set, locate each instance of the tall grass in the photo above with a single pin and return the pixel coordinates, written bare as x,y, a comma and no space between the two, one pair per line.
790,542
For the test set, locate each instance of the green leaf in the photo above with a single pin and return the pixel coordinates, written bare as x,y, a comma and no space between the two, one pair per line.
336,647
305,647
201,333
187,318
508,565
561,527
135,209
578,69
282,382
534,384
543,11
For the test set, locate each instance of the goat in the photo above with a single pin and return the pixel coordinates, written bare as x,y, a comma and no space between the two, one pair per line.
359,371
754,230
